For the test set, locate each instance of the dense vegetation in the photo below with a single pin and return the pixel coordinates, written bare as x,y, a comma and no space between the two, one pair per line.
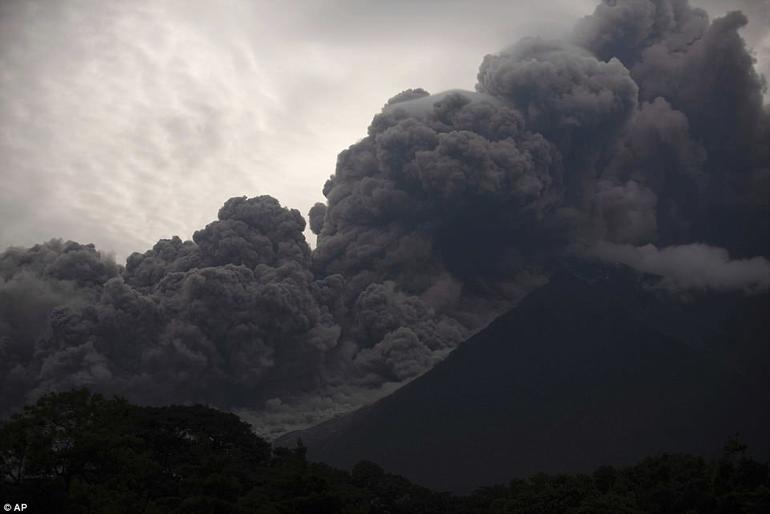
78,452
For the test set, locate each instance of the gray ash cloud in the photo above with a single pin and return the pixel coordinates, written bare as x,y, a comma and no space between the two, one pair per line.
647,128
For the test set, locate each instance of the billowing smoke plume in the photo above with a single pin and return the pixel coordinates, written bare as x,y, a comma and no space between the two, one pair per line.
700,138
34,284
647,128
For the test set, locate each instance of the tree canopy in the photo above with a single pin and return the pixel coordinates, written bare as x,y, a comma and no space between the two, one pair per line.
81,452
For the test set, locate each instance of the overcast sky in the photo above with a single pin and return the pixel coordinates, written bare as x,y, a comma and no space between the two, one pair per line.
125,122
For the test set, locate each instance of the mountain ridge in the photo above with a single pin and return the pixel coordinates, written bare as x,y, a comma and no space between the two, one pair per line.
579,372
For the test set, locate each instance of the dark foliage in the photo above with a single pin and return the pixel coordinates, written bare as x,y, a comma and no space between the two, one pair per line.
77,452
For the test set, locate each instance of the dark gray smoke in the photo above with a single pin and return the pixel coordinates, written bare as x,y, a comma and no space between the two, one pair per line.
647,128
34,284
701,144
211,320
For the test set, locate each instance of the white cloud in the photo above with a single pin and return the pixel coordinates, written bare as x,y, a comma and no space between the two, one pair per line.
692,266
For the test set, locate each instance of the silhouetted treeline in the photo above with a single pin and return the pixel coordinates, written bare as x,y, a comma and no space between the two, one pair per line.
78,452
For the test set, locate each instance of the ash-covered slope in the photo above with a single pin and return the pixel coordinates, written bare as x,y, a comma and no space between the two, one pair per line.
590,369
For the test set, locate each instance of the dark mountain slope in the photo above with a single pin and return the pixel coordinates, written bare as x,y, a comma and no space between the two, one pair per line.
581,373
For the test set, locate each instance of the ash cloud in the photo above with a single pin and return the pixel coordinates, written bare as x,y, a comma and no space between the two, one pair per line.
36,284
704,130
643,138
432,172
209,320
